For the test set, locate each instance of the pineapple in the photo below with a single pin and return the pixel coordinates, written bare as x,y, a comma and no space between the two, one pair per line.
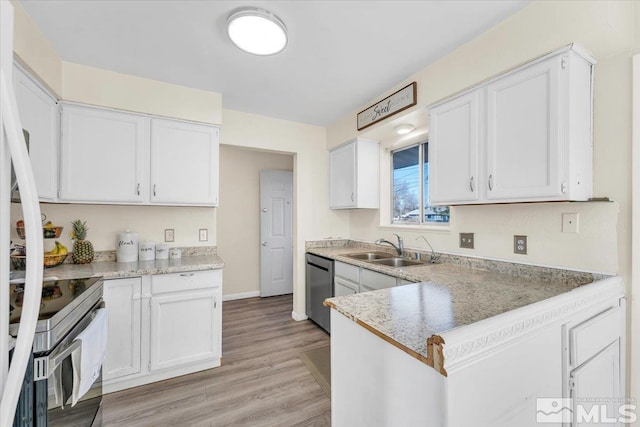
82,249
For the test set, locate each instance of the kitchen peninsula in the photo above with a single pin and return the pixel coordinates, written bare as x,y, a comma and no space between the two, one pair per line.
472,347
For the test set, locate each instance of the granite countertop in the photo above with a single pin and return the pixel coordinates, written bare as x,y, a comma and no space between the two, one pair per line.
449,296
114,270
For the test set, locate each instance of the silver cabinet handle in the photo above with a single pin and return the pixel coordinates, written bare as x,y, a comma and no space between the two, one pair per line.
264,243
186,274
138,189
471,184
352,197
491,182
154,189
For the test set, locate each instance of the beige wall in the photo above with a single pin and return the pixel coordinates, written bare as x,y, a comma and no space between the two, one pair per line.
105,222
607,30
108,89
312,217
239,217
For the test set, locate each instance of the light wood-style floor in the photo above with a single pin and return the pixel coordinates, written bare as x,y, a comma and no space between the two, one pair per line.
262,381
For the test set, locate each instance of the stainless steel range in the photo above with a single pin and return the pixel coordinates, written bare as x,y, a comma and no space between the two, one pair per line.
67,308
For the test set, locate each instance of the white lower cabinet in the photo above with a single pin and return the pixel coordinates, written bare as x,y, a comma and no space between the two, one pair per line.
350,279
162,326
124,320
182,328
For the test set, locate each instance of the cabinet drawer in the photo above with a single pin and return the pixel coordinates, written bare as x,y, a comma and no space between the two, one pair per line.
185,281
593,335
344,287
374,280
347,271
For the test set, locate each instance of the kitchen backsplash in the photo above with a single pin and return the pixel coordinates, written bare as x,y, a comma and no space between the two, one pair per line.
546,274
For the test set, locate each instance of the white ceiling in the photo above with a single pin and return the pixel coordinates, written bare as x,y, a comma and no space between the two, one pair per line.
341,54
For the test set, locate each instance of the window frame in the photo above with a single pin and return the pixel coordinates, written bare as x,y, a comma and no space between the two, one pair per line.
421,222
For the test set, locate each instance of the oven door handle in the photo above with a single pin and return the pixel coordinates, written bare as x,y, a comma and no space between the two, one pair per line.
44,366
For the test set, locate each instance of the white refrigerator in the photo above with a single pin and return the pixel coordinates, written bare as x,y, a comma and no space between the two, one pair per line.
13,150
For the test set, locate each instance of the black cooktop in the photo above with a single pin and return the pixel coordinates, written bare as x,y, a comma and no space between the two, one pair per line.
56,295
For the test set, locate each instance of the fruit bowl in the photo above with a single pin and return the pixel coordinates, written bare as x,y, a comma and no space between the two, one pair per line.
20,261
47,232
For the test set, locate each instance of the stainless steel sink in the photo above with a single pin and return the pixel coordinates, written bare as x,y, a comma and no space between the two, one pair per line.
397,262
370,256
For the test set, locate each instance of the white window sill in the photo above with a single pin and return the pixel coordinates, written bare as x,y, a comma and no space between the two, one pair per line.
417,227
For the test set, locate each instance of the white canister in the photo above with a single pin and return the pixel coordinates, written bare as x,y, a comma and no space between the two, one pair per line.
147,251
162,251
175,253
127,247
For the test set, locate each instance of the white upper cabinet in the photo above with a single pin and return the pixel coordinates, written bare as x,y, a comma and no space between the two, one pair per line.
523,133
184,163
532,140
454,125
354,175
39,116
104,156
111,156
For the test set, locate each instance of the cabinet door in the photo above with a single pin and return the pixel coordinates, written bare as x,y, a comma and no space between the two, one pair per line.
185,328
122,299
184,163
596,379
523,133
342,177
104,156
39,116
453,150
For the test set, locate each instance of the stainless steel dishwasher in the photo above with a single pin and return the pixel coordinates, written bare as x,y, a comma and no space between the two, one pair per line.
319,286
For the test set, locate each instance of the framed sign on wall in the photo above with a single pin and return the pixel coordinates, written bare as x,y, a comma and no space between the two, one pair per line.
392,104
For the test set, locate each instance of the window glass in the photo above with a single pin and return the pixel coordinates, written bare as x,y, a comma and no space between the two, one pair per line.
406,185
410,203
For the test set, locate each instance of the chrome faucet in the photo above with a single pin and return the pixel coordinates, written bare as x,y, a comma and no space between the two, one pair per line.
434,258
399,248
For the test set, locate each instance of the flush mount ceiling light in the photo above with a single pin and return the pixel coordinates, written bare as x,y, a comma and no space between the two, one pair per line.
404,129
257,31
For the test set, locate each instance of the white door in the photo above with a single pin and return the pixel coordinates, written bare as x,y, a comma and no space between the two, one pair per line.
342,177
523,133
122,299
453,150
276,233
184,163
104,156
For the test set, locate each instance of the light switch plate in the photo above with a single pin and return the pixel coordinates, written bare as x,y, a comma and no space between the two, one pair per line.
520,245
203,234
169,235
570,222
466,240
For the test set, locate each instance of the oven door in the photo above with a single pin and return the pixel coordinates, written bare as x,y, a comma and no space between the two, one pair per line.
53,375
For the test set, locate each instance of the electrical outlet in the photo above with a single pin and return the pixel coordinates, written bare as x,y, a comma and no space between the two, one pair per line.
570,222
520,245
203,234
466,240
169,235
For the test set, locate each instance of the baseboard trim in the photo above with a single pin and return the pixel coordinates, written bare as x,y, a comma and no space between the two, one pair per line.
241,295
298,316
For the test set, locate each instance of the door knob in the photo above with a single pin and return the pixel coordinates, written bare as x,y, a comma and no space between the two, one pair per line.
264,209
264,243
